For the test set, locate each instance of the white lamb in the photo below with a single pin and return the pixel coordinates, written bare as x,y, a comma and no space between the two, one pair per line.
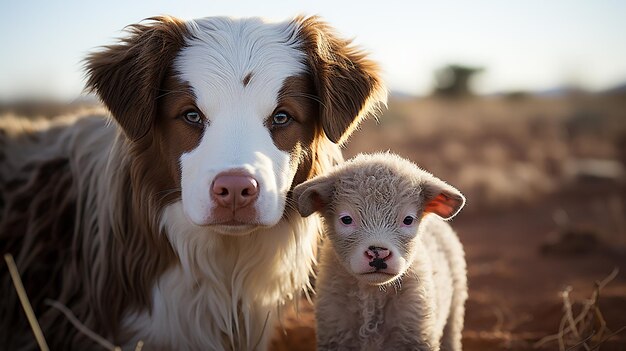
392,273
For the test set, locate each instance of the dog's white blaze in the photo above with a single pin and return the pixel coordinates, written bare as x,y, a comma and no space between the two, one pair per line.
215,62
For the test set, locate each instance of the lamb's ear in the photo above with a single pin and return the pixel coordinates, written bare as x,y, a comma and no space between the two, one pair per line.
313,195
441,198
127,75
347,82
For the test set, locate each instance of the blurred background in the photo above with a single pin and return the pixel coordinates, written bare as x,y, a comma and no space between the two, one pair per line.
522,106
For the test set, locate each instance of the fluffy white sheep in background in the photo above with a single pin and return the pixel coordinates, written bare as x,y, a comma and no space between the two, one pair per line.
392,273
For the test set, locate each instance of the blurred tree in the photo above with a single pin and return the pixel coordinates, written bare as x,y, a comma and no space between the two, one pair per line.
454,80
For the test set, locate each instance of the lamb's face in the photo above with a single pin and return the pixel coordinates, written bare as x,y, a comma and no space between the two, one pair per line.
375,243
372,206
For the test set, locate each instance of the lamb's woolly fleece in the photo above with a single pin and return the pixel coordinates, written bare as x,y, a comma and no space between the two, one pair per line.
424,309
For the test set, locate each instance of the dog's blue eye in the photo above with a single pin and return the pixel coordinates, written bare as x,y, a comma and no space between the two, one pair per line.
280,118
192,117
346,220
408,220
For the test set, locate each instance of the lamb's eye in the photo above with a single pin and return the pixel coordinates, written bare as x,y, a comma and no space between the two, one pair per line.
408,220
281,118
347,220
192,117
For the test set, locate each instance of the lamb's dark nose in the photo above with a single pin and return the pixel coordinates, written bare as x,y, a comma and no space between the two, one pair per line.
378,256
234,190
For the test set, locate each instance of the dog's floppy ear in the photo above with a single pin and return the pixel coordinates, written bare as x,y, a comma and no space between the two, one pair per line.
314,195
347,83
127,75
441,198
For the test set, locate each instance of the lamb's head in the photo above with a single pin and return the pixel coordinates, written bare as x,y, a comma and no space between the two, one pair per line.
372,206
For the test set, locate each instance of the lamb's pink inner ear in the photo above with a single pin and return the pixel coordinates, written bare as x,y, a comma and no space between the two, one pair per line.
443,205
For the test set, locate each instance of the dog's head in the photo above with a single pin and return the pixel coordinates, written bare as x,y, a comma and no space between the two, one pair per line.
229,115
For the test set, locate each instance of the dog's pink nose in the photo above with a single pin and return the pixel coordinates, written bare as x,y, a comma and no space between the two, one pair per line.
377,252
234,190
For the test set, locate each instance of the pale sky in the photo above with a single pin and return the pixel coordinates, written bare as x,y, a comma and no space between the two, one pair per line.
530,44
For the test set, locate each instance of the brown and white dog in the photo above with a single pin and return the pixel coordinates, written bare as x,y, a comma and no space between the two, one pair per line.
175,225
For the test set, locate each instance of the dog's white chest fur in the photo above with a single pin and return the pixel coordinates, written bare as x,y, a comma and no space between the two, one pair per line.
223,293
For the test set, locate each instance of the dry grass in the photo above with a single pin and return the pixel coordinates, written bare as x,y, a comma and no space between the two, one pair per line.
28,309
81,327
586,330
34,324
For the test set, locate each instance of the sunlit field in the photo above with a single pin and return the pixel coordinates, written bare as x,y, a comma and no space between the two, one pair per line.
545,224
